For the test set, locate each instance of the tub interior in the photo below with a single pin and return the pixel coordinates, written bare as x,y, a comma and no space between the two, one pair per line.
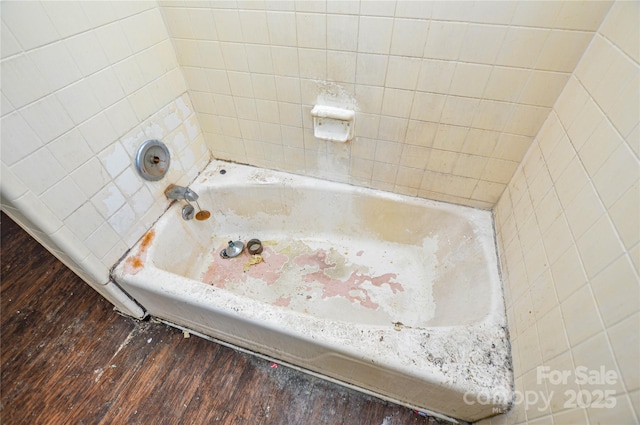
334,252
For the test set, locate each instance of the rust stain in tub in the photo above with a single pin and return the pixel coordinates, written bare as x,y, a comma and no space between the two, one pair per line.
134,264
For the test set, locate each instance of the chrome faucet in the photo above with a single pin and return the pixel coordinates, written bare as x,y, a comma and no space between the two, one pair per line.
176,192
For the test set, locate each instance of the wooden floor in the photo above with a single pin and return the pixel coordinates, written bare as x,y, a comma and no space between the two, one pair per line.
68,358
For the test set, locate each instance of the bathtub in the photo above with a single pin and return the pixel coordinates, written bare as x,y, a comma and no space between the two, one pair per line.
397,296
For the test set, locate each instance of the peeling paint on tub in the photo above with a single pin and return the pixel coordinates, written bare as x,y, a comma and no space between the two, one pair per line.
134,264
351,288
283,302
298,276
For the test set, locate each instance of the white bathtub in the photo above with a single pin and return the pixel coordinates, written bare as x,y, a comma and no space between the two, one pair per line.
395,295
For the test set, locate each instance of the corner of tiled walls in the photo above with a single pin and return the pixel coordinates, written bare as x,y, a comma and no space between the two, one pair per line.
568,233
83,84
449,94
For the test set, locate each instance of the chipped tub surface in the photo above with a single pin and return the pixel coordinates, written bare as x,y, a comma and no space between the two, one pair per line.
397,295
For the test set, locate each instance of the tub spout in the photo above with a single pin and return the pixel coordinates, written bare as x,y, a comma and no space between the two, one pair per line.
175,192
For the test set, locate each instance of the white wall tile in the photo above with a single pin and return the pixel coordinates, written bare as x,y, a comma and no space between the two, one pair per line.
56,64
435,76
482,43
583,211
259,58
47,118
71,150
371,69
235,57
62,198
402,72
84,220
254,25
98,132
106,87
397,103
282,28
341,66
312,63
563,50
459,110
39,171
469,79
522,46
444,40
285,61
427,106
23,17
102,240
79,102
22,81
409,37
90,177
10,45
87,52
311,30
19,140
114,159
392,129
374,34
492,115
342,32
369,98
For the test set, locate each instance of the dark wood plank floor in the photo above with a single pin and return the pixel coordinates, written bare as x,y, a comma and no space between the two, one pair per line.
68,358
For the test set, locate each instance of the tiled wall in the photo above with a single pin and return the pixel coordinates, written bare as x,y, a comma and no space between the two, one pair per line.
83,84
449,94
569,239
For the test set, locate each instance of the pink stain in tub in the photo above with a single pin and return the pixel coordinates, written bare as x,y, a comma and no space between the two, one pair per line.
223,271
270,269
333,287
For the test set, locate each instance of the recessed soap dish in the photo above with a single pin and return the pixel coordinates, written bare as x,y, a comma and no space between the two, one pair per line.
333,124
152,160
